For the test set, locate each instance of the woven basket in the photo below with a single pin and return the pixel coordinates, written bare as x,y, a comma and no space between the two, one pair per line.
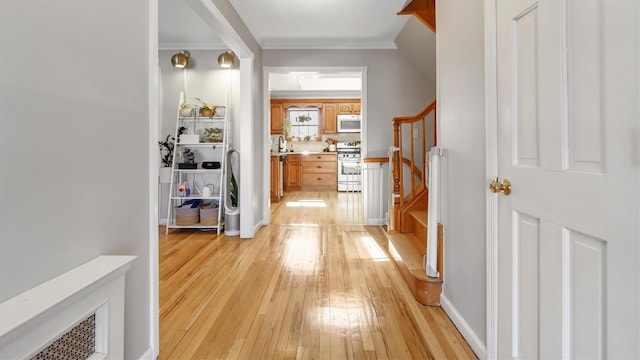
208,215
187,215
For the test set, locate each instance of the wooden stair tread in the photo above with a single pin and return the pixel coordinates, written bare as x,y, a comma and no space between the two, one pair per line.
420,216
412,257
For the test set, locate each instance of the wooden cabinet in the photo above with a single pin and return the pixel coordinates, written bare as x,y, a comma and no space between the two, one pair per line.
330,108
275,179
348,108
293,173
277,115
319,172
329,118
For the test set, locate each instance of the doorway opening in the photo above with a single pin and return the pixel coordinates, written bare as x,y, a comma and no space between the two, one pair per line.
324,93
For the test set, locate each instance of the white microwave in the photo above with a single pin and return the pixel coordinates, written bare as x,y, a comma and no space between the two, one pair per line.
349,123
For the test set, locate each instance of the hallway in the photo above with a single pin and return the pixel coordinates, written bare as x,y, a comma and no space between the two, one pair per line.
307,286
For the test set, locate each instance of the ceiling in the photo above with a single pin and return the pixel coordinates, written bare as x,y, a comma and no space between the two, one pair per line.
290,24
293,24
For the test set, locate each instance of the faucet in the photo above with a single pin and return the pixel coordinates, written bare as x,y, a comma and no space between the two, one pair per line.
280,143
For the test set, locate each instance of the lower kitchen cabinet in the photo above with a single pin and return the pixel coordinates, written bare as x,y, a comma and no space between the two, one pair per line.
293,173
275,179
319,172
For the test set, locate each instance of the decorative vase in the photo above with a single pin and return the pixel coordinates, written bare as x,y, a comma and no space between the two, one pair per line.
186,112
220,110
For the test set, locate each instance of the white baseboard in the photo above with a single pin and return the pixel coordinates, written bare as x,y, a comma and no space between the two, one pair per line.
148,355
472,338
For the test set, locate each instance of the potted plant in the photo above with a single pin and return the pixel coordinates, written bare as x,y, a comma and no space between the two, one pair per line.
167,145
213,134
186,110
332,144
206,110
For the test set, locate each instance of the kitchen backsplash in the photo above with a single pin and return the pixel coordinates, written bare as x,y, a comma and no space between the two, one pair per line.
314,145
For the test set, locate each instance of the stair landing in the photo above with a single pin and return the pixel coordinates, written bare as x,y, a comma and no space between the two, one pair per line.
409,260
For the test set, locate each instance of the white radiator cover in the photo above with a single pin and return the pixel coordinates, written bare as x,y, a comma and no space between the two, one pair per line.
32,320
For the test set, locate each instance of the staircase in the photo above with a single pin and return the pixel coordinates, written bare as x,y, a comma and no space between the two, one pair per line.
408,227
409,195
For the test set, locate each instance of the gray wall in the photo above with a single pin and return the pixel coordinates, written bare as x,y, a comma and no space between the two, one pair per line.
74,145
395,87
418,44
462,134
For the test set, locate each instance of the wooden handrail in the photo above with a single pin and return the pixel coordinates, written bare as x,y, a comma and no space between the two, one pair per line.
417,167
376,160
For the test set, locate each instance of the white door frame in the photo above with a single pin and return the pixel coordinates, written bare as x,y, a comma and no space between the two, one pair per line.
491,143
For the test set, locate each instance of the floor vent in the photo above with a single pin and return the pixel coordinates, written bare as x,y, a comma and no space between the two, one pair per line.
77,343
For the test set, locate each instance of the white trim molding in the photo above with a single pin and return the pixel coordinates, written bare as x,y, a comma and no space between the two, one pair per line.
154,173
491,141
465,329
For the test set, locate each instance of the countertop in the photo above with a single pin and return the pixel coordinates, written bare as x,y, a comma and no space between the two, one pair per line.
302,153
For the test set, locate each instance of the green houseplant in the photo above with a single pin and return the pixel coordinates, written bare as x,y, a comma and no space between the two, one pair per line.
167,145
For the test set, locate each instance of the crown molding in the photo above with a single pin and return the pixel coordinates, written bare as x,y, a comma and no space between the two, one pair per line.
193,46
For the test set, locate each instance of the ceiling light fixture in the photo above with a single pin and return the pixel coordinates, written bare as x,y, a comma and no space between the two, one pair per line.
181,59
225,59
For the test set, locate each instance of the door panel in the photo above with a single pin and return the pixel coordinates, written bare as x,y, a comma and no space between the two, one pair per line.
526,147
586,129
586,283
560,240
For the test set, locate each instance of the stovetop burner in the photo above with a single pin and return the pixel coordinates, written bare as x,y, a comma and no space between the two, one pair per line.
348,144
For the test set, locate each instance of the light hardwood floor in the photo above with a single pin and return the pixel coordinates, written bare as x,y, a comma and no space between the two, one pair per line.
307,286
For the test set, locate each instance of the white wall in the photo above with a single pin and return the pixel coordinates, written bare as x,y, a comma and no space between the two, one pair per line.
205,80
74,145
460,39
395,87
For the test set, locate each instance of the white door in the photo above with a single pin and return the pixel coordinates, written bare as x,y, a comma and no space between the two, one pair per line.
568,130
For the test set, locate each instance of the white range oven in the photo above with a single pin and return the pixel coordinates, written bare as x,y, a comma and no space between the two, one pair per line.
349,166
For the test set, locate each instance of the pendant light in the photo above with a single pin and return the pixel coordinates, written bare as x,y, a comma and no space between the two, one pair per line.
225,59
181,59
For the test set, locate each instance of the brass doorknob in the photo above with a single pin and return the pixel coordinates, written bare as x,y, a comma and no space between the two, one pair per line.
497,186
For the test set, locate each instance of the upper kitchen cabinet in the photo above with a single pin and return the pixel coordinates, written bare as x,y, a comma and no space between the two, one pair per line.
348,108
329,118
277,111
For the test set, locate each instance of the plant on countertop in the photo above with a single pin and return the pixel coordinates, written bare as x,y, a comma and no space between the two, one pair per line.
286,126
167,146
